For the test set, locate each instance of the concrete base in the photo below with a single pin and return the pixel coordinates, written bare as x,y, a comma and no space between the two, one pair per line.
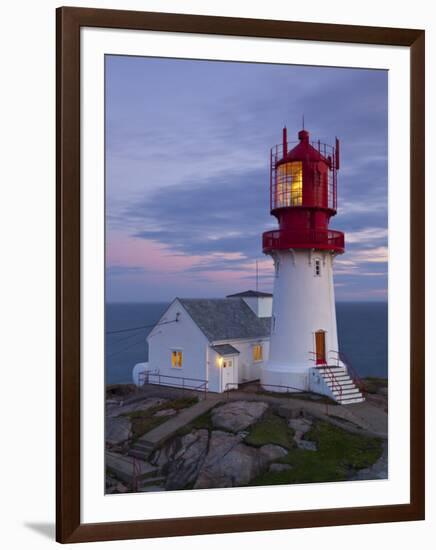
279,380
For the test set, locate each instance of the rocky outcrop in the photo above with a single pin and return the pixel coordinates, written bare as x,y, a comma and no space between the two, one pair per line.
237,415
301,426
114,409
272,452
229,462
182,459
117,429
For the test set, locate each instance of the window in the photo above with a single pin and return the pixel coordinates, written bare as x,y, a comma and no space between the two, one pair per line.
258,352
277,266
317,267
176,359
289,184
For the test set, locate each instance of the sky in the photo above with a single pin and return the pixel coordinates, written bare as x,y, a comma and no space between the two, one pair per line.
187,173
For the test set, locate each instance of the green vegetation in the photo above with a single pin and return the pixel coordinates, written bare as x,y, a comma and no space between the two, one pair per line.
271,429
145,421
374,384
179,403
143,425
338,454
120,390
202,422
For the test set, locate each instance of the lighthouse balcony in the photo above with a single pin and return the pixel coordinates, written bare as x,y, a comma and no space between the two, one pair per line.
321,239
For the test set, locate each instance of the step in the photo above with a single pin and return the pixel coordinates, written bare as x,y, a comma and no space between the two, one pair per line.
143,445
345,383
340,384
330,374
346,392
337,382
155,480
122,466
351,401
332,369
138,453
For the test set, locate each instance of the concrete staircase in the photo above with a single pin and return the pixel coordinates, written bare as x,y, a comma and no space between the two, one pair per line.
342,387
141,449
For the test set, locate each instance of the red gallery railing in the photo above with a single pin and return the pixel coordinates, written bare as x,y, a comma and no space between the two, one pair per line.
303,238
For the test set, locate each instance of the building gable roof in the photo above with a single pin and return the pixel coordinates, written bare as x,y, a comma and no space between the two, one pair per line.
250,294
226,319
225,350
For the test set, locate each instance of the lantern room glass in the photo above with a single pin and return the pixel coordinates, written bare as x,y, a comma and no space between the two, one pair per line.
289,184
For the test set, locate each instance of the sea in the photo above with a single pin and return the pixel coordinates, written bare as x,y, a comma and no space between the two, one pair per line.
362,333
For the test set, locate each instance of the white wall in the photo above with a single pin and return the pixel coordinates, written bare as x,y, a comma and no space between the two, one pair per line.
27,168
215,368
303,304
183,335
262,306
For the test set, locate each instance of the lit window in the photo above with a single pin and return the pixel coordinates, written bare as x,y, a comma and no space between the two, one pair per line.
258,352
176,359
289,184
317,268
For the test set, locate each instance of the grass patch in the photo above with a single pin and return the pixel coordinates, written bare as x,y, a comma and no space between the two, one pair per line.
202,422
145,421
120,390
179,403
271,429
142,425
339,453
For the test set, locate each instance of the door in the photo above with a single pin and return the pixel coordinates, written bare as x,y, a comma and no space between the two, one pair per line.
320,347
228,375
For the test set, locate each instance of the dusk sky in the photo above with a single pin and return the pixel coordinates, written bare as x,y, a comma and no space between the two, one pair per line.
187,174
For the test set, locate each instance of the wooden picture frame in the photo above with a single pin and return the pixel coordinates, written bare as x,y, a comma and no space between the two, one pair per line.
69,23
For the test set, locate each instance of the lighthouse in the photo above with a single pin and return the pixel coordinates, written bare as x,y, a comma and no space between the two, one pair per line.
304,353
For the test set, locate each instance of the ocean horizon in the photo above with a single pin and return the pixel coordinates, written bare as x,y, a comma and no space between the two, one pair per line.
362,333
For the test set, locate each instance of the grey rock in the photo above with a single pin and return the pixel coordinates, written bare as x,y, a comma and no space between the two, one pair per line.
237,415
302,425
113,410
276,467
185,457
117,429
229,462
272,452
306,445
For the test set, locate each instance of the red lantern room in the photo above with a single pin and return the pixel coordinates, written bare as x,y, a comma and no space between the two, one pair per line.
303,198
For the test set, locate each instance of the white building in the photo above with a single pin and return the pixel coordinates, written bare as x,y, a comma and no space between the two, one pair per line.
222,341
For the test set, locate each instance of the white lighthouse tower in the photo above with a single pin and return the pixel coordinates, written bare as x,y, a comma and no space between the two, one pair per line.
304,352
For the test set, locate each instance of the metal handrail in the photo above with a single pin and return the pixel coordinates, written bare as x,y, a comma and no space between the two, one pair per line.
331,375
203,386
227,387
340,356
